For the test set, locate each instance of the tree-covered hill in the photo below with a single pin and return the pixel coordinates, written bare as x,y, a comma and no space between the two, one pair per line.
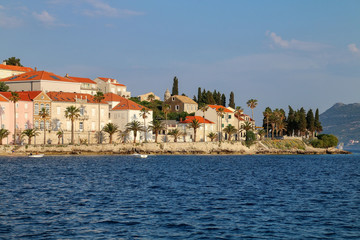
342,120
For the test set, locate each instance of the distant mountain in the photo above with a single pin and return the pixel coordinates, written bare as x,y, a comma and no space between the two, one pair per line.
342,120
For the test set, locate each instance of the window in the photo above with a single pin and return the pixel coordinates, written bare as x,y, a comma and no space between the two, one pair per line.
92,126
229,117
26,116
177,107
47,125
2,126
36,124
42,125
26,126
17,105
26,106
81,126
48,108
82,111
17,115
17,126
93,112
58,110
41,106
36,108
173,98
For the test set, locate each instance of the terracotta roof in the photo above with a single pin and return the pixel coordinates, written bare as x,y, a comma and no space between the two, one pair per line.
16,68
184,99
24,96
81,80
3,99
71,97
36,75
216,107
125,104
112,97
189,119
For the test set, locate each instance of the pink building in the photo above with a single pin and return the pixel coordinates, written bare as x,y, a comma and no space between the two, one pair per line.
23,114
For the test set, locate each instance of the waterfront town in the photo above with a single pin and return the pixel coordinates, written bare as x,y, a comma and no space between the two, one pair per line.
42,107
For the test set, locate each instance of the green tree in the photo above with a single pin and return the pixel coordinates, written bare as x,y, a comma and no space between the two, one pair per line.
59,134
72,113
223,100
13,61
317,123
261,133
310,122
30,133
98,97
291,121
175,88
199,97
176,133
204,109
14,98
232,100
212,136
134,126
3,134
250,138
238,111
151,98
267,113
230,130
111,128
156,126
144,114
302,121
252,103
44,114
3,87
194,124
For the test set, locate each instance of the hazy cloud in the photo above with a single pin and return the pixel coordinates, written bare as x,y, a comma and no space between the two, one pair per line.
44,17
352,48
293,43
9,22
101,8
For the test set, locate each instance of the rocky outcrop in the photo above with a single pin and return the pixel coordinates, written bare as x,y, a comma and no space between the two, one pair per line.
162,148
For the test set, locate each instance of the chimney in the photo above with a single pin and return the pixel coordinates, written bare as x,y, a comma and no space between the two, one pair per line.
67,75
4,63
35,69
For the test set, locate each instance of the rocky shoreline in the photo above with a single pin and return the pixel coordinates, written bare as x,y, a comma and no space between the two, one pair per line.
199,148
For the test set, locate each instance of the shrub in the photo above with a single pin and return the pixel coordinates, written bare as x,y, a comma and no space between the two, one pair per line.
325,141
250,138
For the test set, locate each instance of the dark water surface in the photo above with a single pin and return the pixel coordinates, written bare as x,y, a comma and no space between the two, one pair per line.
180,197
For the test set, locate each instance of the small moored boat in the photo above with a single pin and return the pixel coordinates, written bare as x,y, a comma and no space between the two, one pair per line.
36,155
140,155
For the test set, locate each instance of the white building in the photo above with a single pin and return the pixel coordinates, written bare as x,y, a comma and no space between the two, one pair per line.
9,70
109,85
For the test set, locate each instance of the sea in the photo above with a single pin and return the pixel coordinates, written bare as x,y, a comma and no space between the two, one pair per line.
180,197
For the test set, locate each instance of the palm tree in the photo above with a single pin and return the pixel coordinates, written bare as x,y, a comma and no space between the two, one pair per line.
111,128
230,130
176,133
252,103
14,98
44,114
134,126
238,112
195,125
204,109
143,113
166,109
73,113
273,120
267,113
261,133
30,133
98,97
212,136
59,134
247,126
220,113
3,134
157,126
123,135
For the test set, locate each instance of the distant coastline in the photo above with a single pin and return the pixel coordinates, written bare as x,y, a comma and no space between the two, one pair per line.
170,148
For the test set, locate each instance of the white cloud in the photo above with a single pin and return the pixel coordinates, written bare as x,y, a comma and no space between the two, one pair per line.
104,9
44,17
294,44
9,22
352,48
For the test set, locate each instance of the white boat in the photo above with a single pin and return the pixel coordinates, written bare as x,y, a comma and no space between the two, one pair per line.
140,155
36,155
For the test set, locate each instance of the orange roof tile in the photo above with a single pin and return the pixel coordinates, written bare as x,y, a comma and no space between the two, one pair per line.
24,96
189,119
81,80
3,99
124,104
71,97
112,97
16,68
216,107
36,75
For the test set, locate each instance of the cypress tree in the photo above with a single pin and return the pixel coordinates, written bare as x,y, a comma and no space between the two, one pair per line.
310,122
223,100
210,98
232,100
203,99
175,88
199,95
317,123
291,122
302,121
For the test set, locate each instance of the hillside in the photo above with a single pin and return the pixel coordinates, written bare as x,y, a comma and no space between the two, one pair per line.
342,120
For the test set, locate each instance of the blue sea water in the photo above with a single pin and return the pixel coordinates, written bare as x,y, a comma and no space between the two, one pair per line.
180,197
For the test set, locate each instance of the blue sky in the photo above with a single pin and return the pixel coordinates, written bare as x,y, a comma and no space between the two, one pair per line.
298,53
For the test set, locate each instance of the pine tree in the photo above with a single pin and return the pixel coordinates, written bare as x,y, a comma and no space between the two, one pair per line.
232,100
223,100
175,88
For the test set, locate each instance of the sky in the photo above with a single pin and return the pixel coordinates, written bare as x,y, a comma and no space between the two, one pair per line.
299,53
